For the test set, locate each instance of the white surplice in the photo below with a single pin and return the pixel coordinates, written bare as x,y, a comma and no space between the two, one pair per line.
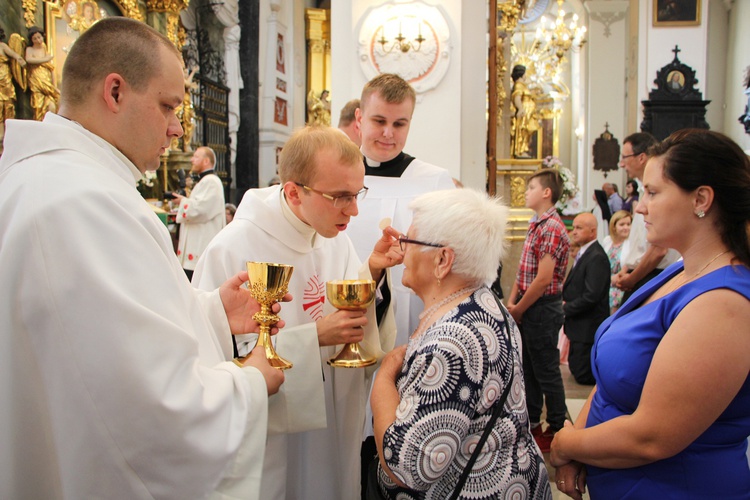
389,197
201,217
112,380
317,419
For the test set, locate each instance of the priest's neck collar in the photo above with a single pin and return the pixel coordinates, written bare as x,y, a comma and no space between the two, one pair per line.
391,168
205,173
137,174
298,224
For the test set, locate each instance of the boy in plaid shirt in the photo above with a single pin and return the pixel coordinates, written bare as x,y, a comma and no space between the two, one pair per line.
535,303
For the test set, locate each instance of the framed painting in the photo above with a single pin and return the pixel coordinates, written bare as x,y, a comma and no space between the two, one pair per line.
677,13
66,21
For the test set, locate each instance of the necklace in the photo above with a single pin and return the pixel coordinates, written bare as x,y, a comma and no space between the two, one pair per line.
686,280
426,315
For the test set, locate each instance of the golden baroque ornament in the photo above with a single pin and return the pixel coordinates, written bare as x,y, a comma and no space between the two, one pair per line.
130,9
29,9
174,6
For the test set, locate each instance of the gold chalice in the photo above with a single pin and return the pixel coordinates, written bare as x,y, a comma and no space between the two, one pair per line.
351,295
268,284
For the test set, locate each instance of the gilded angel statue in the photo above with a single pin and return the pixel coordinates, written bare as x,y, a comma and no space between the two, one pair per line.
318,109
11,63
41,75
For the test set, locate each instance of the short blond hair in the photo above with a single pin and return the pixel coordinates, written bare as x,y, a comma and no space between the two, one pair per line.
390,87
297,158
617,217
113,45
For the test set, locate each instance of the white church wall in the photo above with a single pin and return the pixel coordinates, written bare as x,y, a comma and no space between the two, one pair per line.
717,42
737,60
607,77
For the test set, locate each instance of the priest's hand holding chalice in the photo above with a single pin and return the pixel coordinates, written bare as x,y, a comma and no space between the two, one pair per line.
351,295
358,295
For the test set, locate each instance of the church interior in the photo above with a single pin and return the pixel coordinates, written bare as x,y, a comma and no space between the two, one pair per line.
596,71
586,72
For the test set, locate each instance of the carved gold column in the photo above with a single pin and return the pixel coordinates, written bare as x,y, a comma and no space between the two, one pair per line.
164,16
318,37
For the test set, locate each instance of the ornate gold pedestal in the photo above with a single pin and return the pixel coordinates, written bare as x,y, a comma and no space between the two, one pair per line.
512,178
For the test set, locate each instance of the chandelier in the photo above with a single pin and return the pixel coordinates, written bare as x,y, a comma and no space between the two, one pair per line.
558,38
401,43
545,54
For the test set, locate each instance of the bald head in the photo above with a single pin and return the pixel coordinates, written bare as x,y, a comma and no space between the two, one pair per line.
608,188
584,228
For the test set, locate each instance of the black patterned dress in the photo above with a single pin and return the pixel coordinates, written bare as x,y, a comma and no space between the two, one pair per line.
452,375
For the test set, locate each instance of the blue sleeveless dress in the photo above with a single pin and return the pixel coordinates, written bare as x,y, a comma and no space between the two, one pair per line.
715,465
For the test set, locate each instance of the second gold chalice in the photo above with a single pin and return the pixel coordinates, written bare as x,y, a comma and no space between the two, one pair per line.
351,295
268,283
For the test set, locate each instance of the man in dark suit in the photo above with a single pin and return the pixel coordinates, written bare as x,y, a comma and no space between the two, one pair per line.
585,297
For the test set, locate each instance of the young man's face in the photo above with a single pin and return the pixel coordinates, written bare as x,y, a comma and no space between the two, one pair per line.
384,127
333,178
534,194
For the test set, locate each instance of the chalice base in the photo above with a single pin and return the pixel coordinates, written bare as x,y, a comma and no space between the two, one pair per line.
351,356
276,361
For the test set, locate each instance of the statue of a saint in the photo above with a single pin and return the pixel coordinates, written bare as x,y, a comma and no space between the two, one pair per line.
745,118
41,71
524,121
188,111
319,109
7,92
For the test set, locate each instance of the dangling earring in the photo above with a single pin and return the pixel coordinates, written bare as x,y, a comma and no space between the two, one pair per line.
700,214
439,283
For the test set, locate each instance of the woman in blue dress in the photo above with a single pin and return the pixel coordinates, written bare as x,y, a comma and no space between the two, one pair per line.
670,414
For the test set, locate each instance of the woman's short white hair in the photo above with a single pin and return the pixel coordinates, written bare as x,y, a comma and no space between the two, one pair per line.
468,221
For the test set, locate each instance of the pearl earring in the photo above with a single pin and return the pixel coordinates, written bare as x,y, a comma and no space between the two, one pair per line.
700,214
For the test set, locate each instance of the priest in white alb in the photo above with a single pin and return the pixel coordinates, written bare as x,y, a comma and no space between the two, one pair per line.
317,419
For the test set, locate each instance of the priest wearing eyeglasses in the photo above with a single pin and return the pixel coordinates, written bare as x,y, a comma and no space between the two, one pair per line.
316,426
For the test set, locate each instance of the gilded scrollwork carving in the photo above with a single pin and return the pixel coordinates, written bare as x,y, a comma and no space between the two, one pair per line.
29,12
166,5
517,192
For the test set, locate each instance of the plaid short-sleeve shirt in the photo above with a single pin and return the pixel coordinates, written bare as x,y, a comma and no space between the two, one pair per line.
546,235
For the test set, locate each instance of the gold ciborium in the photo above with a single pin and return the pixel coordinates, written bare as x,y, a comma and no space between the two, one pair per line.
351,295
268,284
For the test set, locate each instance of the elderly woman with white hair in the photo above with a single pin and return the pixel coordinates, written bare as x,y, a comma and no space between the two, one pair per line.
449,408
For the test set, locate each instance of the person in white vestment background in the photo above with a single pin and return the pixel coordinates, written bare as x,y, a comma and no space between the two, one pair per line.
201,215
317,419
112,378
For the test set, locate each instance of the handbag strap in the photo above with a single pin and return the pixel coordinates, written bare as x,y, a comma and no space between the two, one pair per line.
498,407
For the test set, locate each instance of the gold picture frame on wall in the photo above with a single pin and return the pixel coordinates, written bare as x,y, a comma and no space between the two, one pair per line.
67,20
669,13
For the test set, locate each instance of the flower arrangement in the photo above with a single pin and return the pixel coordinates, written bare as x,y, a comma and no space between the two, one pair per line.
146,184
570,189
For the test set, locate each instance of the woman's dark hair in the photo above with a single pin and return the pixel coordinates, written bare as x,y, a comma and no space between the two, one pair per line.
633,184
518,71
698,157
2,34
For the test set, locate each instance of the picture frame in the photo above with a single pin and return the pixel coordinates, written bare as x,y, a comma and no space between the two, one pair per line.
671,13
